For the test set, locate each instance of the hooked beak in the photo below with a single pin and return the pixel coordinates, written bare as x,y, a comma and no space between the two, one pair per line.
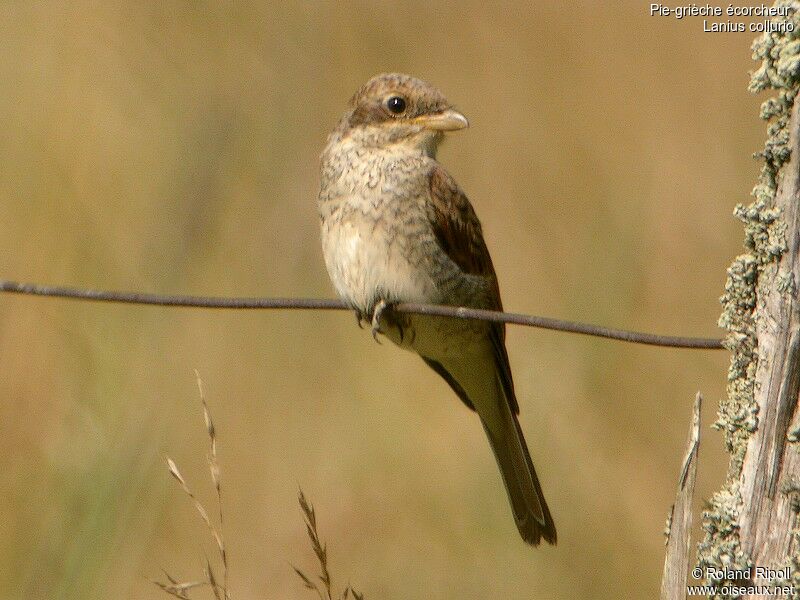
447,120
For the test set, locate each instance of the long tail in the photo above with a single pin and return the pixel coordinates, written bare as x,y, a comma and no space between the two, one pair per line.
524,492
484,384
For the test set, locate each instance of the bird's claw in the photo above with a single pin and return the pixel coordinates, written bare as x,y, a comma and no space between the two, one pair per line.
377,313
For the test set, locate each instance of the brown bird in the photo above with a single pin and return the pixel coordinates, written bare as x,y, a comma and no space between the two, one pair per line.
397,228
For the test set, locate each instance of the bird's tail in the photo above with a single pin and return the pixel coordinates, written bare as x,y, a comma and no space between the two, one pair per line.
524,492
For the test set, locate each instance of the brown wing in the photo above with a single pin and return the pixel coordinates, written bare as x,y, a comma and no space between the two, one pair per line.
459,234
459,231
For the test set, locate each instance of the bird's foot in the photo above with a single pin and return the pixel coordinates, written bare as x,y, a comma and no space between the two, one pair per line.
360,318
377,313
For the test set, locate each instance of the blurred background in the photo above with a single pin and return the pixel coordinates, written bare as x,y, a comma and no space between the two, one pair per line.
173,147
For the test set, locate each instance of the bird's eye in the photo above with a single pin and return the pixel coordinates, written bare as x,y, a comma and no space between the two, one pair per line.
396,104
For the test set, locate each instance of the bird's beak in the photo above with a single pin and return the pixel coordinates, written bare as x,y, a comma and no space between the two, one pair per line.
447,120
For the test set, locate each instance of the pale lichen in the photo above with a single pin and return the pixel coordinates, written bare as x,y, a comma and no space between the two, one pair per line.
720,522
749,278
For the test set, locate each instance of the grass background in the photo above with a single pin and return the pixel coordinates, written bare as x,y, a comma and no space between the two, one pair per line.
172,147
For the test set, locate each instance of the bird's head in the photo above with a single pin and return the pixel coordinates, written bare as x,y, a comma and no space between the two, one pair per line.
393,108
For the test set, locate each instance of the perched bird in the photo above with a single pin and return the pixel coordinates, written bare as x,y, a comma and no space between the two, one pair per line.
397,228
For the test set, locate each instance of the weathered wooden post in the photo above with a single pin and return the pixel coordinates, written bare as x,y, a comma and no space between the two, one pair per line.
752,522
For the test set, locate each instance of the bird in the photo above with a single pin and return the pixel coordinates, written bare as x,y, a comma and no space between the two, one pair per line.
396,227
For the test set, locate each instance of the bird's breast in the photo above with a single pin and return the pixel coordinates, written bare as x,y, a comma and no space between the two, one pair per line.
372,253
376,239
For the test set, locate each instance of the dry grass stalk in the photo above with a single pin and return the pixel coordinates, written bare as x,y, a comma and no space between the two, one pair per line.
220,589
213,466
321,552
179,589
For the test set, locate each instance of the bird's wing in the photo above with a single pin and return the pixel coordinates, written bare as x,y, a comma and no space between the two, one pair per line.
460,236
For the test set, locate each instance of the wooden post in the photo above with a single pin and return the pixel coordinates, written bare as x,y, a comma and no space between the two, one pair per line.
679,523
752,521
769,484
